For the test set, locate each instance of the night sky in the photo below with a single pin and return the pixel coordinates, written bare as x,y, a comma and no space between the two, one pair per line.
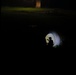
66,4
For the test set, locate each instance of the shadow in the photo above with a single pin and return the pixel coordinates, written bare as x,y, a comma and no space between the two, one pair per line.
50,44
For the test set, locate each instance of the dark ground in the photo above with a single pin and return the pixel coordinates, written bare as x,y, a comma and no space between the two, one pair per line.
22,37
29,29
23,42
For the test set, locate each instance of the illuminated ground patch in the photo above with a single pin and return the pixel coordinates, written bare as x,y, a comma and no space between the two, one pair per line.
55,37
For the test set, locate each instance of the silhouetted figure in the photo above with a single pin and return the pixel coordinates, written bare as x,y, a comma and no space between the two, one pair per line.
50,44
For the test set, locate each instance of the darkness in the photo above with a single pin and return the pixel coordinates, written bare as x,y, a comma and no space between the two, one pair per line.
11,73
19,26
22,35
65,4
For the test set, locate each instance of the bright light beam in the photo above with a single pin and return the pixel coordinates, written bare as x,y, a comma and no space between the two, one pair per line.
55,37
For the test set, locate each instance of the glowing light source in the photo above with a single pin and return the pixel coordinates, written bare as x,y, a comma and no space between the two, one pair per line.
38,3
55,37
